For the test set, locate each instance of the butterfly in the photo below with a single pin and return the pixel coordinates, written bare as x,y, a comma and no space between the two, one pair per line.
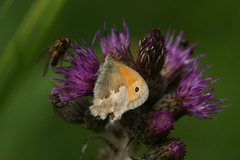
118,89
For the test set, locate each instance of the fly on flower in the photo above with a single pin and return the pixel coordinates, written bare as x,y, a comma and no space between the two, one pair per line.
54,52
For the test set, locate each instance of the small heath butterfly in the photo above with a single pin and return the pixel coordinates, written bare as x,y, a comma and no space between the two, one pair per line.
118,89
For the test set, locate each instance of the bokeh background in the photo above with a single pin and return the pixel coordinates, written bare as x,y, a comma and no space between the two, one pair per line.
29,129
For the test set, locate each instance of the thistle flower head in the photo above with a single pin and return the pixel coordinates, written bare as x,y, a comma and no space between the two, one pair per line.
81,76
178,60
190,97
191,94
115,42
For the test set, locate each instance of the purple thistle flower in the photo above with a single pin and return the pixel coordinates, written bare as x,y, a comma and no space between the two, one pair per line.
120,42
194,101
178,60
190,99
81,76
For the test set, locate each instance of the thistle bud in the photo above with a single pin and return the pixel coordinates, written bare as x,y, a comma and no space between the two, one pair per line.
171,149
151,53
153,127
72,111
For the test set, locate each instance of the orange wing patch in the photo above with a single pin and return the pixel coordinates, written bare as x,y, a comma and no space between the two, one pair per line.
131,79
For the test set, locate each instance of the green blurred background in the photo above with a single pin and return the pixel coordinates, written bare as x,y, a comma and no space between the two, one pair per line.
29,129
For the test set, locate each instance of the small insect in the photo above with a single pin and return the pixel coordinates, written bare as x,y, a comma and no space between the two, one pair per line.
56,102
54,52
